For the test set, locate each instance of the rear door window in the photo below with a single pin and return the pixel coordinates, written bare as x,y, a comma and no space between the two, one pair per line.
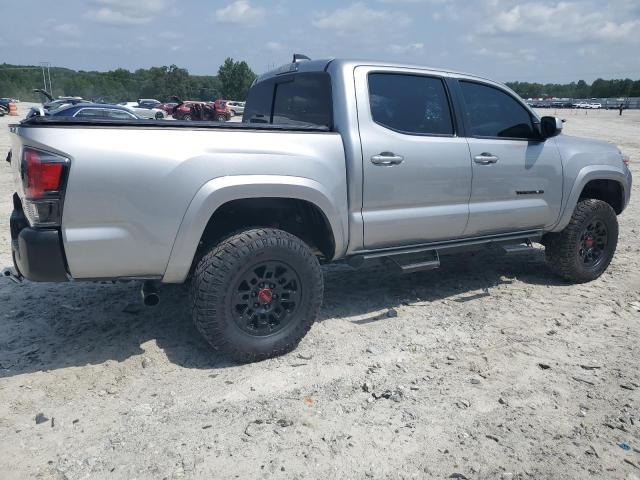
494,113
298,99
412,104
306,99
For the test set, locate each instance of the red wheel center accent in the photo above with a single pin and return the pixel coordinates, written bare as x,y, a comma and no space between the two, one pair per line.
264,296
588,241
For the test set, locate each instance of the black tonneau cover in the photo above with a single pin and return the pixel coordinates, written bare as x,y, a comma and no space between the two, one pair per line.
53,121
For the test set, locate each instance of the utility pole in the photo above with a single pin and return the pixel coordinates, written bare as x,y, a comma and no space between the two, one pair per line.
49,75
45,75
44,78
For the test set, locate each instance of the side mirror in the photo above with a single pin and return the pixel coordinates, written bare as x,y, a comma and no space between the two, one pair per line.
550,126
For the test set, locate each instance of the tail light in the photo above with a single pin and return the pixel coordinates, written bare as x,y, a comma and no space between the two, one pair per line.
44,176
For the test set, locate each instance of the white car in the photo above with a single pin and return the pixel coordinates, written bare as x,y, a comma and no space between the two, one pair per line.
595,106
144,112
236,108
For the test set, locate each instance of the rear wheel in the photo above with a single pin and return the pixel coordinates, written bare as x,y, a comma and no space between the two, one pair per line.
159,116
222,118
584,249
187,117
256,294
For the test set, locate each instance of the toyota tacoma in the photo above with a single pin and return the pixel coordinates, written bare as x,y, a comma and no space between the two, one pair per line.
335,160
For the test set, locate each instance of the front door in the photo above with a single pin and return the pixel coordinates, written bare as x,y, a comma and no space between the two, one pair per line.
417,170
517,179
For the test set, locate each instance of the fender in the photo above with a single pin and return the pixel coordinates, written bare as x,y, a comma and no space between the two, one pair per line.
221,190
585,175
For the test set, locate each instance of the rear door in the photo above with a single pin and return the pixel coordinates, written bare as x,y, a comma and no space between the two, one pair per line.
417,170
517,178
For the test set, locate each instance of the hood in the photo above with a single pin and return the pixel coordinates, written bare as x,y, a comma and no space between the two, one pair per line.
588,151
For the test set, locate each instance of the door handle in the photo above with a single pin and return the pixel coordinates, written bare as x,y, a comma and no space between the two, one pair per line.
485,159
387,159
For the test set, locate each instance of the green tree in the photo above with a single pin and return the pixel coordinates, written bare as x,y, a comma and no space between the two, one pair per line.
235,79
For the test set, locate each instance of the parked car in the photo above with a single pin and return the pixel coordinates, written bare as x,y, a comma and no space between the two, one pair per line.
236,108
367,161
89,111
4,103
223,111
145,112
167,107
184,110
53,103
148,103
595,106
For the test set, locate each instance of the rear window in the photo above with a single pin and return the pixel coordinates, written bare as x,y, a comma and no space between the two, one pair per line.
299,99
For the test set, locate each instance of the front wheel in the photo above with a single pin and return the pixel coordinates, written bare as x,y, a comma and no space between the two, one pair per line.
187,117
159,116
584,249
222,118
256,294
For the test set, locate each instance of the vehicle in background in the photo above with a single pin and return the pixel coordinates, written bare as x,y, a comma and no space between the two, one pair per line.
53,103
4,103
223,112
145,112
167,107
236,108
148,103
595,106
184,110
89,111
336,160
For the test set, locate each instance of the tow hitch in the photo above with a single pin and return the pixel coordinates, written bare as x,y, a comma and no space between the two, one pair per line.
12,275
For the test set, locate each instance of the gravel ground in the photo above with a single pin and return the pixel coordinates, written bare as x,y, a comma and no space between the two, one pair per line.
490,367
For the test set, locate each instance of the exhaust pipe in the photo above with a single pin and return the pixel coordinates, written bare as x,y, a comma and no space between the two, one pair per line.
12,275
149,291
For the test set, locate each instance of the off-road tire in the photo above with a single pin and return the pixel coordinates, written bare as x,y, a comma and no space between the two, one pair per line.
562,249
213,292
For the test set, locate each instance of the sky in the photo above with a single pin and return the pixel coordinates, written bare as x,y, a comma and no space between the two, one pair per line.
531,40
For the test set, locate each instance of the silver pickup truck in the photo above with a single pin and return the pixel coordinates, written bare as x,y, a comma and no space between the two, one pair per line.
334,160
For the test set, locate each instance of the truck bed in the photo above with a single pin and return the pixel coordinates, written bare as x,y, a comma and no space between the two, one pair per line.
143,123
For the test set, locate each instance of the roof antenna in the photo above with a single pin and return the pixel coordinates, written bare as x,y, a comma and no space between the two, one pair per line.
298,56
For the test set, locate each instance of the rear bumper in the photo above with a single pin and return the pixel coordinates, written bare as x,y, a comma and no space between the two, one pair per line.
37,253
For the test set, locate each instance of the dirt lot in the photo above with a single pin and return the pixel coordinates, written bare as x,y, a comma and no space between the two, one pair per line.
493,368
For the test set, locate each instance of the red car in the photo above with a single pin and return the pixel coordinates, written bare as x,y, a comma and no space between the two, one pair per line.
167,107
184,110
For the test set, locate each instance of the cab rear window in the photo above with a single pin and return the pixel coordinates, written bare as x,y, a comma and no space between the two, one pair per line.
298,99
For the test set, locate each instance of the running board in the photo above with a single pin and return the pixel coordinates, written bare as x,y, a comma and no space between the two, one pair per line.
426,257
409,264
516,249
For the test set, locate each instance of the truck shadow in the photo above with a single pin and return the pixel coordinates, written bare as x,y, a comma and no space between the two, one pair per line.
52,326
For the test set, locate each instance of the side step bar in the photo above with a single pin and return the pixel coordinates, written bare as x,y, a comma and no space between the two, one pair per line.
429,261
426,257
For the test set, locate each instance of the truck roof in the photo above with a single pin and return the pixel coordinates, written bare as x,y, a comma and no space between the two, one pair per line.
323,64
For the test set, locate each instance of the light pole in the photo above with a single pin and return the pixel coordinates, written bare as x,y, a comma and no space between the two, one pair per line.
48,74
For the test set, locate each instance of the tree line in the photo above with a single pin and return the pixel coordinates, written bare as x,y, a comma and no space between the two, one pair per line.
616,88
232,82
